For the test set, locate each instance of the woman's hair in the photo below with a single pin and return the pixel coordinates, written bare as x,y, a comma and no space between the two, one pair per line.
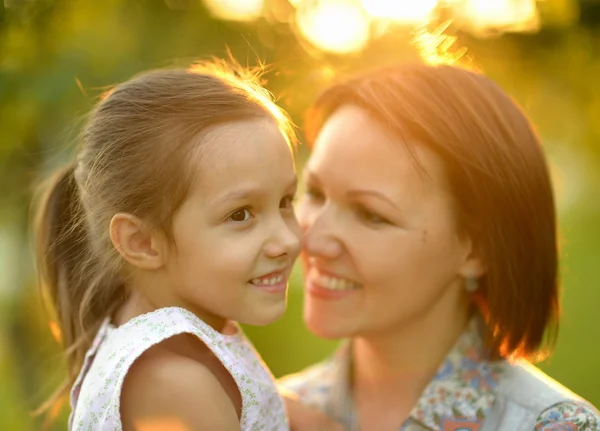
134,156
500,183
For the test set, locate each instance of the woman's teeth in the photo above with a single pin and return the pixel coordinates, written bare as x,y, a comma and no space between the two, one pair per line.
335,283
267,281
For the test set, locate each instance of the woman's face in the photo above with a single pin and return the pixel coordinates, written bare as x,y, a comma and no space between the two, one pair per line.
382,247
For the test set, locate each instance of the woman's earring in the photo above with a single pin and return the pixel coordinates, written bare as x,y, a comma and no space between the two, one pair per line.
471,284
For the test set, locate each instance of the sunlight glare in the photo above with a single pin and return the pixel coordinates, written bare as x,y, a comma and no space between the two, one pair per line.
55,330
513,14
436,47
236,10
334,25
405,11
161,424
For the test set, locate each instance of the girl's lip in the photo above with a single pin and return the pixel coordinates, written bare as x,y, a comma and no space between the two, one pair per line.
276,273
277,288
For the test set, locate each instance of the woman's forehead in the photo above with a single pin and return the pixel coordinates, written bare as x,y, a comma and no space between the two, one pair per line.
358,148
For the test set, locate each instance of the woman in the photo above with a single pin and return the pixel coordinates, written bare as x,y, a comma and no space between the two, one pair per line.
430,245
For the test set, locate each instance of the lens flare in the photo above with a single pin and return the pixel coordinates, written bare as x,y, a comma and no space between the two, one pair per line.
236,10
507,15
402,11
334,25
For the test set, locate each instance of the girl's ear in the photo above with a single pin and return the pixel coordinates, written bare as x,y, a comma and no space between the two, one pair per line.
137,243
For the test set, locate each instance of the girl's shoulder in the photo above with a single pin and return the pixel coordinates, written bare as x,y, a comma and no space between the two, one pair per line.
172,353
162,383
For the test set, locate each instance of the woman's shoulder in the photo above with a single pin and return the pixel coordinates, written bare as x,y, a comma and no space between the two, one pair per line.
569,415
554,406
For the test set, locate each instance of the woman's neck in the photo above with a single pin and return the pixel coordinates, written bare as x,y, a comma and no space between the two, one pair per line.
391,369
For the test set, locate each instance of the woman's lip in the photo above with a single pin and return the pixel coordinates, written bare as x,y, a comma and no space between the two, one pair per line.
313,289
315,272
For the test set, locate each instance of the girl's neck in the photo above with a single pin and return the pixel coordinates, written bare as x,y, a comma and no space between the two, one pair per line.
145,297
135,305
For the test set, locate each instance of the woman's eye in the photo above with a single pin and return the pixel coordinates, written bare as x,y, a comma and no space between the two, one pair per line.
240,215
370,217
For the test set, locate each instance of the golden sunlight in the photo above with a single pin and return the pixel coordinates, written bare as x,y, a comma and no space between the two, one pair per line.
161,424
236,10
437,47
404,11
337,26
519,15
55,331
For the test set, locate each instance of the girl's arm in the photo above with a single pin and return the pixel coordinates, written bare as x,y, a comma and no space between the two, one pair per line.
175,393
306,418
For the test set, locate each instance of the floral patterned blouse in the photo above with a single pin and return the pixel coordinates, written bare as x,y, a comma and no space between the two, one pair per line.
468,393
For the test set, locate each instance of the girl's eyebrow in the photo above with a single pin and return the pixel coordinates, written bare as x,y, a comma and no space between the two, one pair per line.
248,193
239,194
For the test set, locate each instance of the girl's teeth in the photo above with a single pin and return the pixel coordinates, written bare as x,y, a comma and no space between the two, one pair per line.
335,283
270,281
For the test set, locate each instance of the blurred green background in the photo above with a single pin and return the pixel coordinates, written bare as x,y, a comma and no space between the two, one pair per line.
56,56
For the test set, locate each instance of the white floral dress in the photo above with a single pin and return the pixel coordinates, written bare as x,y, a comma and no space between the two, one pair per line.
95,396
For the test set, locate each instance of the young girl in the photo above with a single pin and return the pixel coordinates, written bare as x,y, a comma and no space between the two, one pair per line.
174,222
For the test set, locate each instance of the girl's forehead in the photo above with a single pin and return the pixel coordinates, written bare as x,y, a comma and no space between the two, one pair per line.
252,151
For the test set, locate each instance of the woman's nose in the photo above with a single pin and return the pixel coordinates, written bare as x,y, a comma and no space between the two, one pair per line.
321,238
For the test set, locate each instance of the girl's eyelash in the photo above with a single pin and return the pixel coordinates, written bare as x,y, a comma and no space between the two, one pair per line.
289,200
239,210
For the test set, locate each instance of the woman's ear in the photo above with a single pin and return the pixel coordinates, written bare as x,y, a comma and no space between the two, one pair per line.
473,265
137,243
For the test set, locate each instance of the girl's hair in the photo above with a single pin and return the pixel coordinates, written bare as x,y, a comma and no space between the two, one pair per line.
133,157
500,182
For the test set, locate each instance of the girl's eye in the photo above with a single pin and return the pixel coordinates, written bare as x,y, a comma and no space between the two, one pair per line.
240,215
314,194
286,202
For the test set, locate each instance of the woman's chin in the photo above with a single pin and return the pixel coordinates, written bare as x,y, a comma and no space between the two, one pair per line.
326,326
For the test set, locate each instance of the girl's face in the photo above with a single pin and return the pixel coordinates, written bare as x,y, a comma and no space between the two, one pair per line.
236,235
382,249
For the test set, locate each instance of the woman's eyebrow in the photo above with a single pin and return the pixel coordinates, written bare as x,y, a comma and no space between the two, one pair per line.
373,193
